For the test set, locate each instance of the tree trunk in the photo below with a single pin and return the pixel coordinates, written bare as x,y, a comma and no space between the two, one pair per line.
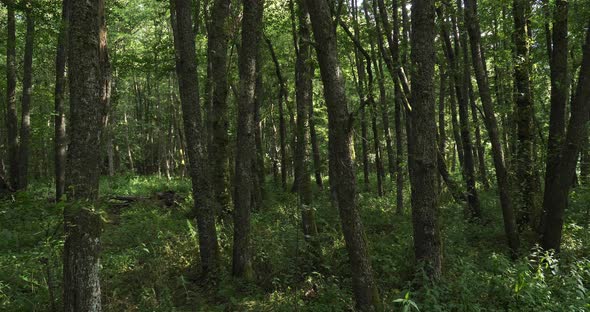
557,190
342,177
394,68
462,82
481,75
304,88
585,160
216,94
559,92
479,146
442,135
282,97
525,166
11,116
82,223
422,152
246,152
455,124
377,147
25,129
259,161
60,116
184,43
385,121
315,148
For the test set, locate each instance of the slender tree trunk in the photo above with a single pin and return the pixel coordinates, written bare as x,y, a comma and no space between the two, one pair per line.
282,97
559,93
376,137
481,75
11,116
246,152
82,223
525,166
315,148
462,80
442,135
304,88
360,69
60,116
394,68
385,121
455,123
342,177
216,94
25,129
184,43
557,190
422,152
259,163
377,147
585,160
478,143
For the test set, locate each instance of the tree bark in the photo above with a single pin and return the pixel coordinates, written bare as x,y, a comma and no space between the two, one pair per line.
216,94
462,80
481,75
559,92
282,97
303,87
342,177
246,152
25,128
525,166
11,116
422,152
186,70
385,121
557,190
259,161
82,224
478,143
394,69
60,116
315,148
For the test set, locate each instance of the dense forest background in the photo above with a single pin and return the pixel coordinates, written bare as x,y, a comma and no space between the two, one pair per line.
287,155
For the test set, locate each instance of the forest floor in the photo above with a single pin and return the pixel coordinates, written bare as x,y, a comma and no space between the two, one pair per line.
150,257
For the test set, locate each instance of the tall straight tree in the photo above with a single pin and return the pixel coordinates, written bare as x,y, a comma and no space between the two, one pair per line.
282,98
525,170
559,91
217,89
481,75
246,149
394,68
60,116
82,224
25,128
315,149
342,176
557,190
421,147
186,70
461,84
11,117
303,94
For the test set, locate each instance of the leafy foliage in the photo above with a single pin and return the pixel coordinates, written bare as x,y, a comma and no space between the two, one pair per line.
150,258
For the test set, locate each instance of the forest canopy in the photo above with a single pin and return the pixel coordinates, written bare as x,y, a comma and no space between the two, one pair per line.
287,155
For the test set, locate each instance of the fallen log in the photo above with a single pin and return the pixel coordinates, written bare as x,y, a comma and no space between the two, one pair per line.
166,199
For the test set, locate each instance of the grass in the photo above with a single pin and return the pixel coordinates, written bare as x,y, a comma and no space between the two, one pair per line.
150,258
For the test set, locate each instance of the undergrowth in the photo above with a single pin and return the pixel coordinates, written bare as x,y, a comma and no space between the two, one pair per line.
150,258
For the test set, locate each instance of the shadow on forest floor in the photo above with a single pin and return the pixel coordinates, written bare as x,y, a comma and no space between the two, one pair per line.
150,257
